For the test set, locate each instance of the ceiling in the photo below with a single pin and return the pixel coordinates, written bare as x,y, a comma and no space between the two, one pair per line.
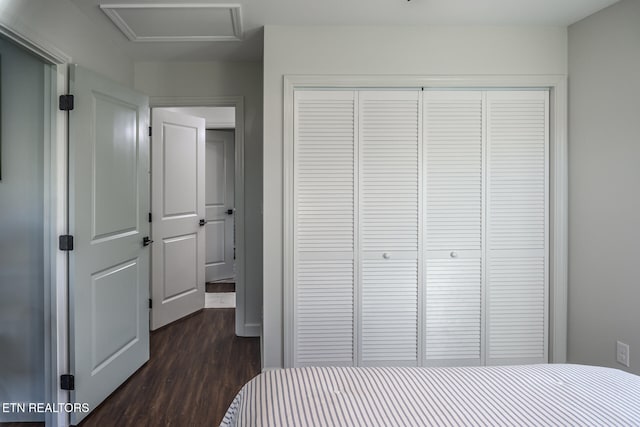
257,13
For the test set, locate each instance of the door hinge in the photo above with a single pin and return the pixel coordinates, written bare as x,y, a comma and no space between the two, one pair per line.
67,382
66,102
149,130
149,216
150,303
66,242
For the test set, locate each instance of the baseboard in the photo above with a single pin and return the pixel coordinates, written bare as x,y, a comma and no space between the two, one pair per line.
250,330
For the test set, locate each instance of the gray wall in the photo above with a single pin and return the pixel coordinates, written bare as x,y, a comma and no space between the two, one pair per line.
61,24
207,79
430,50
21,230
604,186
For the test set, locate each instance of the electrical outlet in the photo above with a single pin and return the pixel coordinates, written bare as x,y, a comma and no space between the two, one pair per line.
622,353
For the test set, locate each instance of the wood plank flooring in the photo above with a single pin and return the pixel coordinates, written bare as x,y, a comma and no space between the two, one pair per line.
197,366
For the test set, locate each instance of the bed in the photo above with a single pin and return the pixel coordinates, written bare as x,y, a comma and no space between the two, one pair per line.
528,395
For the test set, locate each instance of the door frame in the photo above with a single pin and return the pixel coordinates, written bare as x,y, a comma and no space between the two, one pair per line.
558,173
242,328
56,321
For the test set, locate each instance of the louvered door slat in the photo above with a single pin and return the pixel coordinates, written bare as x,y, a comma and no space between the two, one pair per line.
517,230
324,313
389,170
389,184
324,160
389,311
324,193
454,198
453,139
453,311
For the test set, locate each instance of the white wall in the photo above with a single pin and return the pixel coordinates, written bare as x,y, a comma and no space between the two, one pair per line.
604,186
63,25
206,79
376,50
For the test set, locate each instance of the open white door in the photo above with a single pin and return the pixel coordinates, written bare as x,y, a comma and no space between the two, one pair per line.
178,216
109,264
220,204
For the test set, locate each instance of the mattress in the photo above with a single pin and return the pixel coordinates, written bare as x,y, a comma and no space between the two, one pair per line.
529,395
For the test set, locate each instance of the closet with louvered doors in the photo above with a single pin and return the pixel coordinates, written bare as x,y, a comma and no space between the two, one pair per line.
420,227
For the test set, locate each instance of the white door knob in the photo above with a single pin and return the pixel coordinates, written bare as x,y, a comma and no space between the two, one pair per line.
454,254
386,255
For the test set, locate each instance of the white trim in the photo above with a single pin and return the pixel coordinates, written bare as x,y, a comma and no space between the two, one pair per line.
59,225
559,238
35,44
422,234
221,125
55,210
111,10
243,328
485,232
557,84
357,232
288,229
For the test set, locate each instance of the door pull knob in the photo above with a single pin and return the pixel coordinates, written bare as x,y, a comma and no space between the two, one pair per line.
146,241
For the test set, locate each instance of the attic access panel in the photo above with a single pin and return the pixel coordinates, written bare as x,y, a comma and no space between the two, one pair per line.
176,22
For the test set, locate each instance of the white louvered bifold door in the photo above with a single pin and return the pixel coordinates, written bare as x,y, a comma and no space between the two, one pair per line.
324,191
517,226
389,139
453,129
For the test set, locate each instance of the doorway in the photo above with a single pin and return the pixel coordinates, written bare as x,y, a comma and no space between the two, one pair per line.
224,233
22,257
32,206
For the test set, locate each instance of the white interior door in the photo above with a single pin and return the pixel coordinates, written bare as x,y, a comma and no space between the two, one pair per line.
178,171
109,266
220,204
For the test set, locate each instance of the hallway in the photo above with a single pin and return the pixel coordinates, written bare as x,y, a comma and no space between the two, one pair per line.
197,366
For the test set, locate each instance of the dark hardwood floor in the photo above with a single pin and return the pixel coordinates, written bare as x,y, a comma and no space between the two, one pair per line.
197,366
221,287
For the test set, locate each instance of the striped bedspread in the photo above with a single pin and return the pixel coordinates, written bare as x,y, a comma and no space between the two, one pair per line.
532,395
